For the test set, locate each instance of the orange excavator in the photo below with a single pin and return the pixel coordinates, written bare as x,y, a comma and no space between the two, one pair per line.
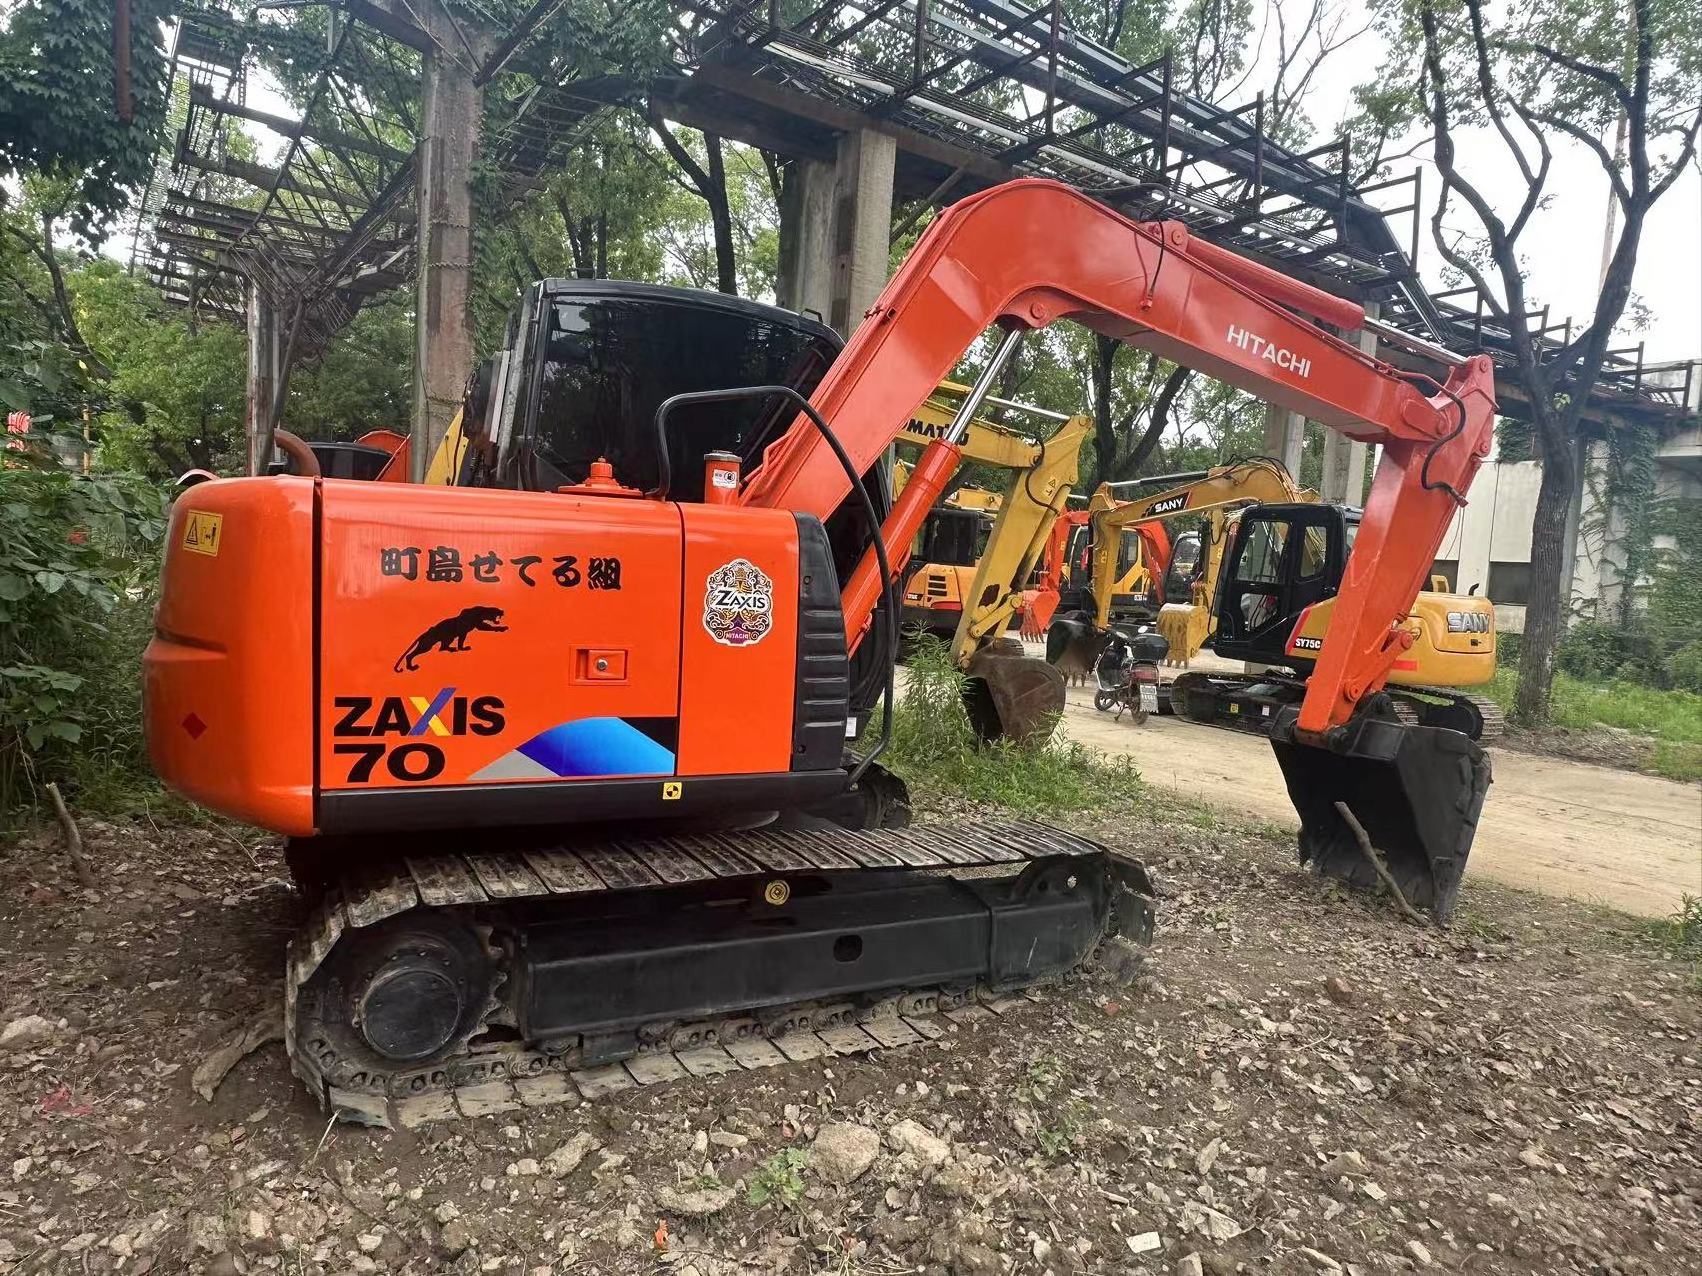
579,764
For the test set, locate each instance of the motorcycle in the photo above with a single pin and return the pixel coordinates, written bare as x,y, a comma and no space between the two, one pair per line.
1126,673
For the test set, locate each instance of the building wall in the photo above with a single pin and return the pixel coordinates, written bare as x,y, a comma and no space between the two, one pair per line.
1490,539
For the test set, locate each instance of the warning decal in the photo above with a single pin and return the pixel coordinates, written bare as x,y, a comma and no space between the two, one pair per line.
203,533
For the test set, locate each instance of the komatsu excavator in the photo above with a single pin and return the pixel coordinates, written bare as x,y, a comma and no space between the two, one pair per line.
571,765
1040,476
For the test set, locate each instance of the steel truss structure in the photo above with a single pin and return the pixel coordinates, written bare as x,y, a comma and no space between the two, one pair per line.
976,91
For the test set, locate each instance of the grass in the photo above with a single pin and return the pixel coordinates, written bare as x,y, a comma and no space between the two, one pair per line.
1671,720
779,1178
934,747
1681,936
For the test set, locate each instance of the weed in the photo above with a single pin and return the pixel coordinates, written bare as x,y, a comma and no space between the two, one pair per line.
1043,1077
779,1178
934,747
1681,936
1058,1139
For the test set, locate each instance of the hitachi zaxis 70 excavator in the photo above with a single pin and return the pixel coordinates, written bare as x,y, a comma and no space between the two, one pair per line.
568,770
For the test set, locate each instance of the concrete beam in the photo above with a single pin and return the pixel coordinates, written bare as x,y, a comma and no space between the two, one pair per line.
262,387
1344,459
443,342
806,269
1285,437
862,224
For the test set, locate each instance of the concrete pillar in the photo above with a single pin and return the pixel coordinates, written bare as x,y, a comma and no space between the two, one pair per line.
262,386
805,281
449,130
1285,437
1344,458
862,224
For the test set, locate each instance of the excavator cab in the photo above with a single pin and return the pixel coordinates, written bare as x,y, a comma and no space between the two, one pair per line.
588,363
1285,559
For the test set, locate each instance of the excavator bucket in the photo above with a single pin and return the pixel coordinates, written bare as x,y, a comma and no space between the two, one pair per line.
1012,696
1039,606
1184,628
1415,791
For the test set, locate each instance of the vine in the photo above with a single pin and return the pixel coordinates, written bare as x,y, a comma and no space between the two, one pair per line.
1628,497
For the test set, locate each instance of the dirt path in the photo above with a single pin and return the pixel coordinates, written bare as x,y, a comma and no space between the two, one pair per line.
1630,841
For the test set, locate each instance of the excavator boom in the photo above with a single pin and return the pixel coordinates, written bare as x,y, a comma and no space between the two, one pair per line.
1417,791
1155,287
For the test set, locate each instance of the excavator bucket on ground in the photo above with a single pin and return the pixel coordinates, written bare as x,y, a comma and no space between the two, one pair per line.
1415,791
1012,696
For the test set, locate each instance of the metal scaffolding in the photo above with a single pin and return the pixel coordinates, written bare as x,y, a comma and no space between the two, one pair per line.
973,91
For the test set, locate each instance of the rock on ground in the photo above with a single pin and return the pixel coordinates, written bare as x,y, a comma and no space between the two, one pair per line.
843,1152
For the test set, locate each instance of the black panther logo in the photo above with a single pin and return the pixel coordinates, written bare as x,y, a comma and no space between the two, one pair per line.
451,634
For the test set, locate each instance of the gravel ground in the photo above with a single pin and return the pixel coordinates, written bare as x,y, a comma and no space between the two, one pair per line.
1293,1081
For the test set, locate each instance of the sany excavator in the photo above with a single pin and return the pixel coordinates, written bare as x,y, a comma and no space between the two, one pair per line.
1111,521
1287,554
567,765
1064,582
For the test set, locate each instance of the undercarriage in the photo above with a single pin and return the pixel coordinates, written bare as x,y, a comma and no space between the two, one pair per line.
445,983
1251,702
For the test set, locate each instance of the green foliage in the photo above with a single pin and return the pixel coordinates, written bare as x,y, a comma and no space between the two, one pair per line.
1060,1138
58,86
934,747
1041,1079
779,1178
1672,720
81,554
1508,647
1684,667
1675,577
1592,650
175,395
1681,936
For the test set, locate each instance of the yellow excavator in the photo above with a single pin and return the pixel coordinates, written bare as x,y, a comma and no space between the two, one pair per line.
1269,564
969,528
1215,493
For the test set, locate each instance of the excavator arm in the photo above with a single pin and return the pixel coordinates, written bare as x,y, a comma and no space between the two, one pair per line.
1042,476
1031,252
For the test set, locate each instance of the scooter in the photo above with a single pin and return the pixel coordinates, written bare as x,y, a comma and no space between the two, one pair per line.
1126,673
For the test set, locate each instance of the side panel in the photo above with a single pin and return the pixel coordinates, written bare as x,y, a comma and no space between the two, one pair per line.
1454,641
485,638
738,625
227,682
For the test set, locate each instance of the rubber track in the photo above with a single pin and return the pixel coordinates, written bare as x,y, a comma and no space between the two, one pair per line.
1494,721
509,1077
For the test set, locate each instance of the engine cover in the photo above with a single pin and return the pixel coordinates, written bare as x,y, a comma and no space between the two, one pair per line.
338,656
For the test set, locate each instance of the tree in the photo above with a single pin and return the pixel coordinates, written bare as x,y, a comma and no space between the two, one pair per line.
1537,74
80,104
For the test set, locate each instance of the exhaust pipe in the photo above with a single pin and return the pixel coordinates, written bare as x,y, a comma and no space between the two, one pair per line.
1417,791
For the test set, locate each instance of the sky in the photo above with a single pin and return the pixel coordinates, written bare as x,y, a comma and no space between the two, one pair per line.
1562,246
